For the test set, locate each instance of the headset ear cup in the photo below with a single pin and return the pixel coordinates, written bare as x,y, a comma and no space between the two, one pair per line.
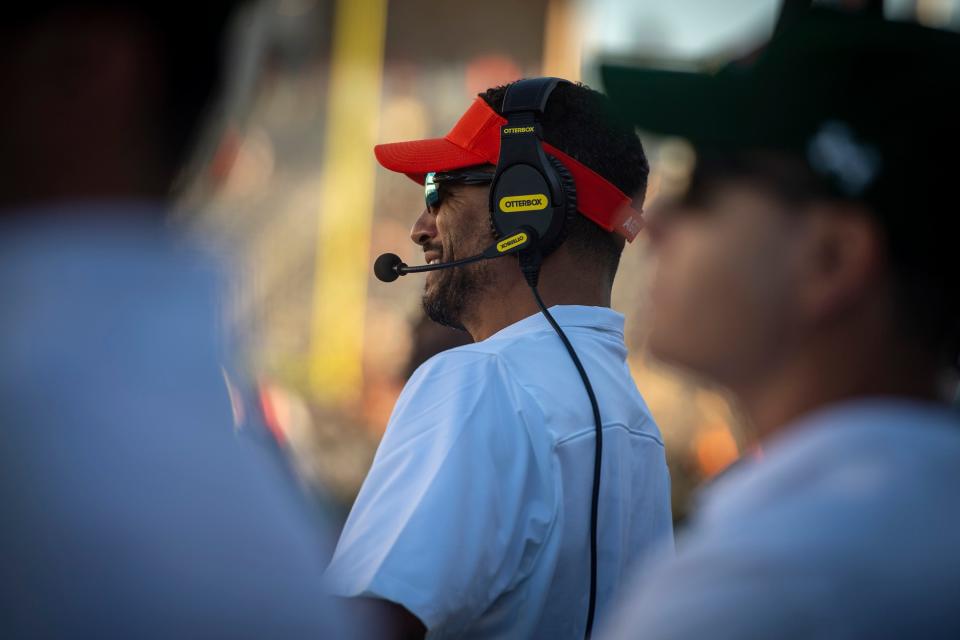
570,203
569,189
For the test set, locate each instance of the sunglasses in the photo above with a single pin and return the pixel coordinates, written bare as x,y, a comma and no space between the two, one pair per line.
431,185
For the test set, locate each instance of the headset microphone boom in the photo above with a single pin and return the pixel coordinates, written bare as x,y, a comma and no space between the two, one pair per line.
389,266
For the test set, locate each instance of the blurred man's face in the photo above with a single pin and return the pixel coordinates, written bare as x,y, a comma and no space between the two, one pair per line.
457,228
726,284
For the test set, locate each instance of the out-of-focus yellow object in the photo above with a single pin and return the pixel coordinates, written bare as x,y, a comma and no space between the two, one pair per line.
346,207
563,40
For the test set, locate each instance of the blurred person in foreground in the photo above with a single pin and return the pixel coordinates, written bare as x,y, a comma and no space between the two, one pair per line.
131,507
474,520
812,269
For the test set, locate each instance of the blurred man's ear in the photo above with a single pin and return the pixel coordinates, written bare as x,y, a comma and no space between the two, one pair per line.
658,218
842,260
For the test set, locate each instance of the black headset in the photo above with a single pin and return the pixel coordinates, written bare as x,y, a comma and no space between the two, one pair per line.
534,194
530,189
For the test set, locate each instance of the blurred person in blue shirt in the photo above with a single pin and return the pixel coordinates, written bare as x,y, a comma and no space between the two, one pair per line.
811,268
131,508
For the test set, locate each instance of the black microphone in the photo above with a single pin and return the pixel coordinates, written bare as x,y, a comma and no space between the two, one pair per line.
389,266
386,267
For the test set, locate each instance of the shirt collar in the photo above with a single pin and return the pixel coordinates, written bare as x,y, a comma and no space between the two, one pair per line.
568,315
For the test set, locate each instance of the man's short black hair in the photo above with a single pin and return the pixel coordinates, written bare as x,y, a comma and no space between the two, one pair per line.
190,39
582,123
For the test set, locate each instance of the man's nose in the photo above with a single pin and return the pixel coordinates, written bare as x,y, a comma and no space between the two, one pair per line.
424,229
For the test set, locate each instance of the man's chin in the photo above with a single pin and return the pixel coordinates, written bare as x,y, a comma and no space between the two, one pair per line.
435,306
440,313
447,295
434,284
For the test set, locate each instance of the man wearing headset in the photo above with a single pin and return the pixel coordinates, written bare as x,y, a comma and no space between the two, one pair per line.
475,518
812,269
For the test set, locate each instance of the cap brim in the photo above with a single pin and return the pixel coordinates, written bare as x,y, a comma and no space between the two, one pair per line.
418,157
704,108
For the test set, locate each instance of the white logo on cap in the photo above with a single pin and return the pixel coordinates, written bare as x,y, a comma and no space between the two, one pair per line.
836,152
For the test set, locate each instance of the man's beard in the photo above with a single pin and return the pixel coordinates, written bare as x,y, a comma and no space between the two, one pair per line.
453,293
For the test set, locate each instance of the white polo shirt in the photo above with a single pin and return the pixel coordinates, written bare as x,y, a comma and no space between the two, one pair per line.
476,513
847,527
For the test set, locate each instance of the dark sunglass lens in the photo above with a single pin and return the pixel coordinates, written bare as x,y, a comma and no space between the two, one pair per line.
431,190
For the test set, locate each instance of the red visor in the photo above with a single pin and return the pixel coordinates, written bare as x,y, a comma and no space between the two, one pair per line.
475,139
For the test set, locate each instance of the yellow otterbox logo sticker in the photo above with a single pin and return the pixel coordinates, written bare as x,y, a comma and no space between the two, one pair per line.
532,202
511,130
512,241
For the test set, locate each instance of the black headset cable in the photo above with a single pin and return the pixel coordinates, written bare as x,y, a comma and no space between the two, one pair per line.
530,265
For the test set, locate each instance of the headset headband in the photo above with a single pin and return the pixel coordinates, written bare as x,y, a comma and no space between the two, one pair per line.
529,95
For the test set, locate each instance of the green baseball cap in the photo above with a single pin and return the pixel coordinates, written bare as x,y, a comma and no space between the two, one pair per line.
869,103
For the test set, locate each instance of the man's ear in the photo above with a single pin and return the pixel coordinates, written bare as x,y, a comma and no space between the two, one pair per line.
842,261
